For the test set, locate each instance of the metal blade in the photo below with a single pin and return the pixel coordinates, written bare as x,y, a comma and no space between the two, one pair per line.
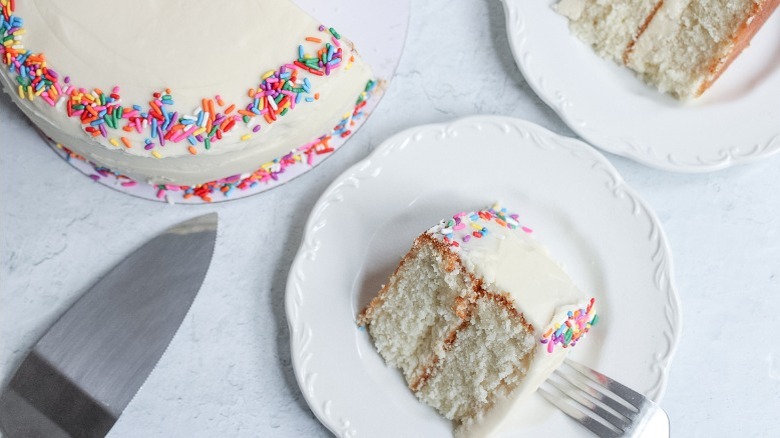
84,371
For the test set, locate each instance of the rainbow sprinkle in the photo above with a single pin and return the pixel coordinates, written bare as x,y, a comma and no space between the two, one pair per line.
102,114
567,333
467,225
267,173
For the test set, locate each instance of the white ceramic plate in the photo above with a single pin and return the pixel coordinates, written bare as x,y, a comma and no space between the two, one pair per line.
605,236
380,42
736,121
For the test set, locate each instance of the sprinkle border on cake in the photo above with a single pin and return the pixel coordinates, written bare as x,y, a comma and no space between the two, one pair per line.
265,174
468,226
568,332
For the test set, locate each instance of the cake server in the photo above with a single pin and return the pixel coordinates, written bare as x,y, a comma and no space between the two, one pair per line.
87,367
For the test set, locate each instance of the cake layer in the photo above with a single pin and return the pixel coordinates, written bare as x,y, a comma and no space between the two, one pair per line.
217,70
414,312
609,26
488,358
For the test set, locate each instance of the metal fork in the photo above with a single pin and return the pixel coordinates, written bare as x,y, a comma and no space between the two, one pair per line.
604,406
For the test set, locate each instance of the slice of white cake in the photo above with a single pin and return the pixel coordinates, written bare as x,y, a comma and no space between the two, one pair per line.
679,46
476,316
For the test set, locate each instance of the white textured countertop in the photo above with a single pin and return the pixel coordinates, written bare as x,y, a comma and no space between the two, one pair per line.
228,371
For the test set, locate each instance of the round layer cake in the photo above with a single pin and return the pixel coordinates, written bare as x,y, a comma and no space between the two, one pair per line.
181,93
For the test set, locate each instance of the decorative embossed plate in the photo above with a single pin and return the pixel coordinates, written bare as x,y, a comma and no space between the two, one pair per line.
736,121
579,207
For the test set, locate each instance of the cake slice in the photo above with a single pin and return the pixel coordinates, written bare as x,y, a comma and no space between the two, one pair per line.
476,316
679,46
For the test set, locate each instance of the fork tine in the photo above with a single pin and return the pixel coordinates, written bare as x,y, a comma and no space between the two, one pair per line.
565,404
625,409
588,403
629,395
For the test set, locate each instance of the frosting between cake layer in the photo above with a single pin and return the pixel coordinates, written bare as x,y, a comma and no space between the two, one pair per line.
204,55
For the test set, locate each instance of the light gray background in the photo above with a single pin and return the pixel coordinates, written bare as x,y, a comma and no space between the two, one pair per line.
228,372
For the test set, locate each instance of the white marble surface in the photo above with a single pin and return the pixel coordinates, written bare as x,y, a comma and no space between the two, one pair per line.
227,371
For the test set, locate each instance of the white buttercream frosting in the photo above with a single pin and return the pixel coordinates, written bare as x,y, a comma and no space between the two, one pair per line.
198,50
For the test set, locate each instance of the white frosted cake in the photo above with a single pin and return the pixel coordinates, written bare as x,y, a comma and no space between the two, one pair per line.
181,93
679,46
476,316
